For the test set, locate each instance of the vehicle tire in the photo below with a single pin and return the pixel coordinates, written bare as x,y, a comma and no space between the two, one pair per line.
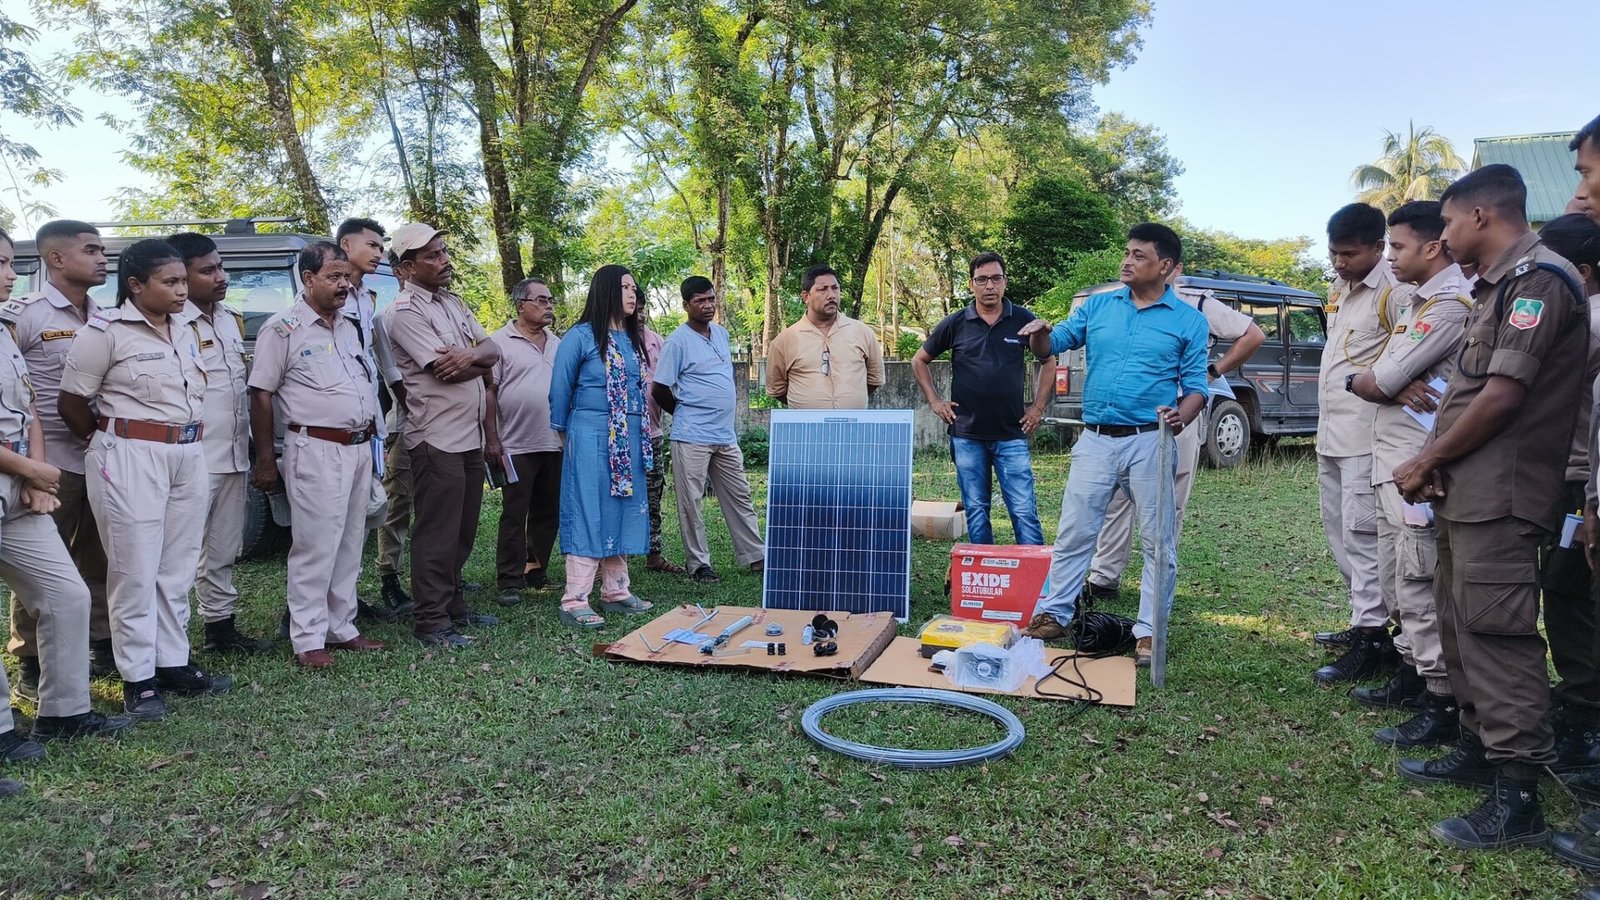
1227,438
261,534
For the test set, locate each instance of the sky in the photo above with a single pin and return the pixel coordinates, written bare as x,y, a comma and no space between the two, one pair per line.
1268,104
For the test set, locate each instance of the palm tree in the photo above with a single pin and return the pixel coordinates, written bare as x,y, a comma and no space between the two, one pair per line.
1416,166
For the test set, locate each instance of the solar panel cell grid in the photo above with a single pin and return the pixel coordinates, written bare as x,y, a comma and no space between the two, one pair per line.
839,511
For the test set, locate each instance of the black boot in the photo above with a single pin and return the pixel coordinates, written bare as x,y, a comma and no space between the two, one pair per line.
1509,816
366,612
1437,725
1575,741
102,659
67,728
394,596
1335,640
1402,691
27,686
1578,848
191,681
223,636
1466,765
1369,650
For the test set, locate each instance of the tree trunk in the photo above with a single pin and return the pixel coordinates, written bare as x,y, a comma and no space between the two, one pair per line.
480,71
251,28
719,250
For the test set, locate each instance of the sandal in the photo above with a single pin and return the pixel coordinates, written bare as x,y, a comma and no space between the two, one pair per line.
580,616
631,606
665,565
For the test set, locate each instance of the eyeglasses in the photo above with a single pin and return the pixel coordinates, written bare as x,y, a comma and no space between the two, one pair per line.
825,362
988,279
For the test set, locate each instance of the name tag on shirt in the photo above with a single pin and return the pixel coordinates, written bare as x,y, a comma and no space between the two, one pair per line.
58,334
150,357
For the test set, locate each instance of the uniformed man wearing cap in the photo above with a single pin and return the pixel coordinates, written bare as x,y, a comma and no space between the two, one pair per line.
1493,469
312,375
34,563
140,364
1405,381
444,356
72,259
1116,539
220,333
1360,309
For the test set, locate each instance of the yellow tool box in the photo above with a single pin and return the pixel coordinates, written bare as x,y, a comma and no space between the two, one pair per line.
951,633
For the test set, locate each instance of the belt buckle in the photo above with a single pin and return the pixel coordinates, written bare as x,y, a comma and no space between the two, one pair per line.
188,434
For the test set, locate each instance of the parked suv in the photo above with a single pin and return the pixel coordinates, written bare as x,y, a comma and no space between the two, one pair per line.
1274,392
261,281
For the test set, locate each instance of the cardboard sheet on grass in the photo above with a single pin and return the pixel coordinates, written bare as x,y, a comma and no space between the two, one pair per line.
903,665
862,636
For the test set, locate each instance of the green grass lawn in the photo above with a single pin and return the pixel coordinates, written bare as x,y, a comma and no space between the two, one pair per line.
525,767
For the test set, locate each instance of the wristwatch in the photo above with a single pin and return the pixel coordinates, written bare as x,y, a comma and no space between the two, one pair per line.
1350,382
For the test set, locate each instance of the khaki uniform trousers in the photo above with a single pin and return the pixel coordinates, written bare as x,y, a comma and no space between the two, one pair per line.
220,548
35,563
1350,521
693,465
397,515
328,486
150,504
1409,555
1115,546
74,522
1487,590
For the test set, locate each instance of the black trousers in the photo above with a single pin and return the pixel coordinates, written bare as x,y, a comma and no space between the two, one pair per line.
529,517
1570,622
446,500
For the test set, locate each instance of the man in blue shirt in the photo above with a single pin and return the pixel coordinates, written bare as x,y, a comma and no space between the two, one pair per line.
989,426
1146,359
694,382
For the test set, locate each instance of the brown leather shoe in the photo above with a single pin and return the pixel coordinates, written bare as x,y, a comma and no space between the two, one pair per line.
1143,649
359,642
315,659
1045,627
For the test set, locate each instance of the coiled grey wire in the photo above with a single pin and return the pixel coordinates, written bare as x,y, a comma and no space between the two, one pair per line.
811,724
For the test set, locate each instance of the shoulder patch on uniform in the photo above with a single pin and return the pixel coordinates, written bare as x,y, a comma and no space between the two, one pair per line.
10,310
1524,266
98,323
286,325
1419,330
1525,313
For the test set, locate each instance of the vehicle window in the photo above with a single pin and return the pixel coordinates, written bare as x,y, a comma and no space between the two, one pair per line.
1305,326
1266,316
385,285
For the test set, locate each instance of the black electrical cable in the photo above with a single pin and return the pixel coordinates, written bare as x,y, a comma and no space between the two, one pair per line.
1096,635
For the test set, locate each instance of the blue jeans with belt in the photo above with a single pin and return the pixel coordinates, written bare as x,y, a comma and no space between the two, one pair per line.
1101,465
1009,461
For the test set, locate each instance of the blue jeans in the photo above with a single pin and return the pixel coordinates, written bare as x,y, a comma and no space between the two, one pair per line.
1010,463
1101,465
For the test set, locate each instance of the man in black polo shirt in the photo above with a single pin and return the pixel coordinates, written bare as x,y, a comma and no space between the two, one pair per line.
989,427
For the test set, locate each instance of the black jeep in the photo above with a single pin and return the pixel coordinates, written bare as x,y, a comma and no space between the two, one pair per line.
1274,393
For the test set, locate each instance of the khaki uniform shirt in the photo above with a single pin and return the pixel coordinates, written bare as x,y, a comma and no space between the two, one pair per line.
1422,347
16,393
388,370
361,309
448,417
1578,461
522,380
319,374
1536,339
1357,315
854,362
46,322
1223,321
132,371
227,406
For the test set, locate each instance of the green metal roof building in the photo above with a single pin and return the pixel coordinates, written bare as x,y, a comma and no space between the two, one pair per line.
1545,164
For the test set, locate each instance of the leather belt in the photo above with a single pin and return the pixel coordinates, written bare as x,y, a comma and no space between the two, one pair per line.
159,432
20,448
1122,430
337,435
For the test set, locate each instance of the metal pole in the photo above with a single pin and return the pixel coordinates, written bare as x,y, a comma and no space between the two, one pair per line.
1166,509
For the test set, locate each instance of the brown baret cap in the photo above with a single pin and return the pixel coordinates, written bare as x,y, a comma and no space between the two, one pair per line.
411,236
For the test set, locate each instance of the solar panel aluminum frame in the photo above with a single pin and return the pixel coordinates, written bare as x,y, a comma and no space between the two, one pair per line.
788,582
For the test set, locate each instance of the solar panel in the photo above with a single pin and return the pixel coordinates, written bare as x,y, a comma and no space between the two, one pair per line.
839,511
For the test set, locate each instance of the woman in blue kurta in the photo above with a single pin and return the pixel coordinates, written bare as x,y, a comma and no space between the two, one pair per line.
597,401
